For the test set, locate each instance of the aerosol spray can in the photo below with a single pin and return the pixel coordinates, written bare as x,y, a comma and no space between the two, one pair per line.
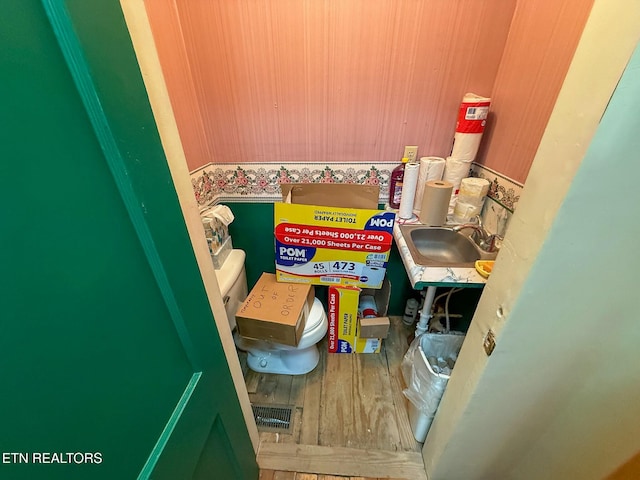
367,307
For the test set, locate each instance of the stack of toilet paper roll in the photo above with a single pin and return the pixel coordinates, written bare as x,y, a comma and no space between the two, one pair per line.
472,118
419,178
470,199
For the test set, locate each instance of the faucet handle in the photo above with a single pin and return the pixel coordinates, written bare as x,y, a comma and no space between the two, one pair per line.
492,243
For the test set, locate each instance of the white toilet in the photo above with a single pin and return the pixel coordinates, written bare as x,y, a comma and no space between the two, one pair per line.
264,356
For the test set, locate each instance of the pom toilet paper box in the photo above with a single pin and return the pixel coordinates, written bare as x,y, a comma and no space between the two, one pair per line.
332,234
345,333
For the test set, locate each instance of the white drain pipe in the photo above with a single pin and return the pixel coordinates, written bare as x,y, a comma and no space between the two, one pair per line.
425,313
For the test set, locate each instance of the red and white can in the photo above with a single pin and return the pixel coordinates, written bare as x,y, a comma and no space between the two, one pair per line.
367,307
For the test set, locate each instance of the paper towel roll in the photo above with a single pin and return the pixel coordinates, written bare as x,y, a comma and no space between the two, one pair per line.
431,168
409,183
472,118
473,190
435,202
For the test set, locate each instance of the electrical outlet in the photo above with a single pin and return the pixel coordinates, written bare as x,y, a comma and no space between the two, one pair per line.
411,152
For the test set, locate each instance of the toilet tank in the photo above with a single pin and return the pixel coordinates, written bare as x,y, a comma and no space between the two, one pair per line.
232,279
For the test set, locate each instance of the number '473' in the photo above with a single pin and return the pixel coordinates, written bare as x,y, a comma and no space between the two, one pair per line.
347,266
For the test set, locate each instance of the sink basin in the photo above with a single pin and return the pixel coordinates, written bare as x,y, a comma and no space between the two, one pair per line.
442,247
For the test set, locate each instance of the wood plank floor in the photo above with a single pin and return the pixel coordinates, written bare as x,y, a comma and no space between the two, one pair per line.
348,405
280,475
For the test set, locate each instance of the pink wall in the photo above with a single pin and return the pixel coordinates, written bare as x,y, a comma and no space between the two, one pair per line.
543,37
294,80
356,80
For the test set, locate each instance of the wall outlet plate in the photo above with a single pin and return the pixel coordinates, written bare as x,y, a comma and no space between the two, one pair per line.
411,152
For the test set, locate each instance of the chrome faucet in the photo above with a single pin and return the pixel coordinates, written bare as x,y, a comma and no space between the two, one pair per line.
477,226
487,242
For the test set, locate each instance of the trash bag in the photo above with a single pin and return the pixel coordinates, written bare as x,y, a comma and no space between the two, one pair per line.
426,377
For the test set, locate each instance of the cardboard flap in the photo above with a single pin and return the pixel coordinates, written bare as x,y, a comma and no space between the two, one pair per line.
381,296
346,195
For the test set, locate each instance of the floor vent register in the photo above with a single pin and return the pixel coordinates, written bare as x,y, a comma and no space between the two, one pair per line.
270,418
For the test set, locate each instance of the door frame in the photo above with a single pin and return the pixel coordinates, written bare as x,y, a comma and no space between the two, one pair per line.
568,136
146,52
141,35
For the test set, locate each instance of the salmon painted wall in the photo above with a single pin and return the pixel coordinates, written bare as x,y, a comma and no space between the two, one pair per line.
329,81
542,40
355,81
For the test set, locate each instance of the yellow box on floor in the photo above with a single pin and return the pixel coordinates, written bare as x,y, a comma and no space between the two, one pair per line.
275,311
344,327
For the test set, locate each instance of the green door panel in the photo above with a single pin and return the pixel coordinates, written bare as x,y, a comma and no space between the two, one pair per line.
110,363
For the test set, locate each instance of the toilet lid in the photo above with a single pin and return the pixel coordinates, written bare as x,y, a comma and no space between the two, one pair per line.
315,315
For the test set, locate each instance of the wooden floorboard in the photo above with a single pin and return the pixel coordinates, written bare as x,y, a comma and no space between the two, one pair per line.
284,475
310,431
353,402
374,414
395,345
266,474
297,425
341,461
336,402
296,393
407,440
274,475
251,378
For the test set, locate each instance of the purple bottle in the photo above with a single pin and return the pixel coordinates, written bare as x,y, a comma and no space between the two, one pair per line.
395,184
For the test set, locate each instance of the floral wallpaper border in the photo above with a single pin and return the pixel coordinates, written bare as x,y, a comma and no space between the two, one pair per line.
260,182
502,190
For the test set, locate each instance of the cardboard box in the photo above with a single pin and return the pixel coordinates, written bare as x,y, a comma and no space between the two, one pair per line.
376,327
275,311
344,335
345,195
341,238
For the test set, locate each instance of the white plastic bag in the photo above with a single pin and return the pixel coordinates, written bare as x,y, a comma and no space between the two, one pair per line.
425,387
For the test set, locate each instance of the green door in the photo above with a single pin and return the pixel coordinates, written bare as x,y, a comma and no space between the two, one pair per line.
110,363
